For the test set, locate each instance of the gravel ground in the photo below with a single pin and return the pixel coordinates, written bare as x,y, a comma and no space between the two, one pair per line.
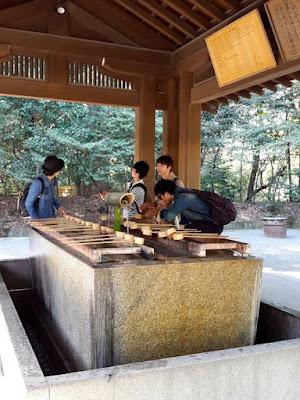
279,254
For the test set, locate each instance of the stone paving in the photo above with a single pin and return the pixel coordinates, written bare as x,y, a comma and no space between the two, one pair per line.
281,273
279,254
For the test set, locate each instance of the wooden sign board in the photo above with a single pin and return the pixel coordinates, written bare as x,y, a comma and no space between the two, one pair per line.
284,16
240,49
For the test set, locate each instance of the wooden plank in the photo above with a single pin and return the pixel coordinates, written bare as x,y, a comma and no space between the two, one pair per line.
97,25
240,49
210,90
284,17
157,24
71,46
190,50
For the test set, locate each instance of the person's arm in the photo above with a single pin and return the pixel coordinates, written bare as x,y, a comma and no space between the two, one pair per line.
34,191
56,203
177,207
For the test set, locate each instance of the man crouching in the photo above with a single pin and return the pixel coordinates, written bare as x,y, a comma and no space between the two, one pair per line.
175,200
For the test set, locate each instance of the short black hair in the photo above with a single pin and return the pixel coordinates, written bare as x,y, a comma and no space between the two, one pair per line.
165,160
164,186
142,168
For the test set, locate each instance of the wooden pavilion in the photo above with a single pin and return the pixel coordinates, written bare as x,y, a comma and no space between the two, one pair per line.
146,54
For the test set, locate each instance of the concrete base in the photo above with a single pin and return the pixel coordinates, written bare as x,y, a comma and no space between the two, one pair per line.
262,372
137,310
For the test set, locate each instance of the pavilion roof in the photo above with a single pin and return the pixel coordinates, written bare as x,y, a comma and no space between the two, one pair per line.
155,24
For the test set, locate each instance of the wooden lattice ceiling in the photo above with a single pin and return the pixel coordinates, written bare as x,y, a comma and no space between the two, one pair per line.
156,24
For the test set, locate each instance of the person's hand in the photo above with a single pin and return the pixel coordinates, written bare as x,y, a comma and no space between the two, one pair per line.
61,211
144,206
102,194
153,212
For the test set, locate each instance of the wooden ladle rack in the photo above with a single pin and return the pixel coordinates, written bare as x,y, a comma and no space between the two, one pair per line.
90,239
190,240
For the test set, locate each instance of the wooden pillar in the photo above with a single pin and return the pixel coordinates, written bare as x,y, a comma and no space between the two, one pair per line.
170,124
189,135
145,129
57,69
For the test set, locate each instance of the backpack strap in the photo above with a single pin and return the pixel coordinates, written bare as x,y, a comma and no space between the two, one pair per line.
43,185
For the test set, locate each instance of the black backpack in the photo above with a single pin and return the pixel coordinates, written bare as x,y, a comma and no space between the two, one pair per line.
222,211
21,205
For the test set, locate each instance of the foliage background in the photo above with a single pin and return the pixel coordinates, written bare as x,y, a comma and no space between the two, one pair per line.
250,150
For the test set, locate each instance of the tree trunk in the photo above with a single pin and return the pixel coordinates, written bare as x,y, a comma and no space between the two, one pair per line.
289,173
253,174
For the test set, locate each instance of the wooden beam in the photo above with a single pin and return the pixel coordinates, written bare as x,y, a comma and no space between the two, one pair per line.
233,97
269,85
137,68
189,135
244,93
207,108
58,24
188,13
71,93
96,25
89,48
284,81
5,50
296,75
22,11
213,103
223,100
234,5
170,17
128,25
157,24
200,61
170,135
145,129
210,90
257,90
210,9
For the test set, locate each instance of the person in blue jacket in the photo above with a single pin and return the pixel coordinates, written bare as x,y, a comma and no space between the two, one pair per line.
195,213
47,203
